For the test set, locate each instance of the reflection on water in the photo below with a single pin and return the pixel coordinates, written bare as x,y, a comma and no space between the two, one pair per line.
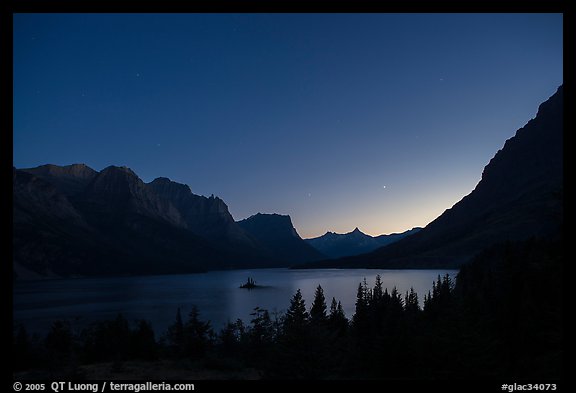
216,294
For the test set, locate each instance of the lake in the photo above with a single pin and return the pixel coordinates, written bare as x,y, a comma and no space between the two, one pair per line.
216,294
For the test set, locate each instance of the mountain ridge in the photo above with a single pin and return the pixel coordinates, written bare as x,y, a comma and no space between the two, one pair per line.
336,245
74,221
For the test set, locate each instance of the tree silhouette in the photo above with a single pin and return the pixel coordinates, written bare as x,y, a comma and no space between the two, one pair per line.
296,317
197,335
362,317
262,331
59,342
229,338
411,305
175,335
377,292
318,315
441,298
295,358
337,319
143,342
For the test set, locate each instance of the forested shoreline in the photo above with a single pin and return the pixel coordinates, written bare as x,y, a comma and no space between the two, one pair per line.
501,318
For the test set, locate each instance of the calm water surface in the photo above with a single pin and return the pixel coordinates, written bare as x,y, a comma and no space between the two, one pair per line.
216,294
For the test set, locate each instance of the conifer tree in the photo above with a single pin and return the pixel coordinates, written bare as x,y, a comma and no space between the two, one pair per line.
175,334
333,308
411,305
361,318
143,341
337,319
197,334
318,315
377,292
262,331
296,316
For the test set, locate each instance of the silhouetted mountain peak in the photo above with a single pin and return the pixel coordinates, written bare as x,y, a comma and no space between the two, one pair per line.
277,233
162,181
205,216
554,105
37,197
337,245
273,222
531,160
73,220
170,189
116,180
69,179
74,170
113,169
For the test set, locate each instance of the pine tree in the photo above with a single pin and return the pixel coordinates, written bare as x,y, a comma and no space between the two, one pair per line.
197,334
447,286
411,305
228,338
436,287
340,312
396,298
262,331
441,297
361,304
377,292
296,316
58,342
333,308
175,334
427,302
143,342
318,315
337,319
367,292
296,346
395,308
361,318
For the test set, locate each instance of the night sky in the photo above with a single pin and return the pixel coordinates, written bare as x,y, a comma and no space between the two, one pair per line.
376,121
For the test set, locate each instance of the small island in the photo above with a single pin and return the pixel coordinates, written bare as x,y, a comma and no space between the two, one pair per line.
250,284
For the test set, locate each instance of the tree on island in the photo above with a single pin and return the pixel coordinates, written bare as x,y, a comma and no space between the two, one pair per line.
250,283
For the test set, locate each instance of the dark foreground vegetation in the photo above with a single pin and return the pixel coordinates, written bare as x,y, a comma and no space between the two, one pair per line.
502,319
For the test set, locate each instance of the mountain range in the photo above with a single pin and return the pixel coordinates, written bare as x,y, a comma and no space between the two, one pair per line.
337,245
519,196
75,221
